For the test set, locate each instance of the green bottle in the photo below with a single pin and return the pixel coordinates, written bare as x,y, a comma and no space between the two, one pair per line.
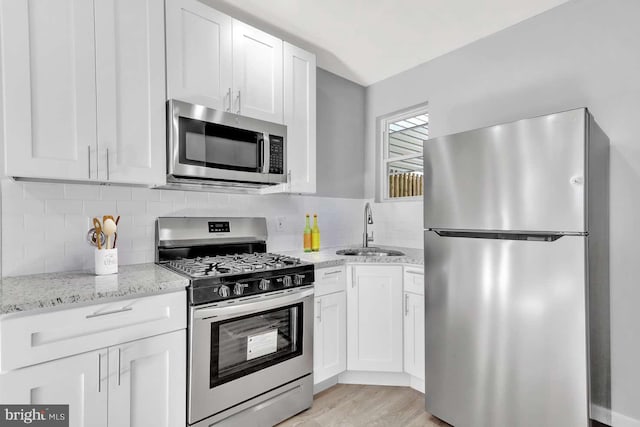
307,236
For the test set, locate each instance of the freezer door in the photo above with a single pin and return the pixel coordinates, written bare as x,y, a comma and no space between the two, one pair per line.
525,175
506,340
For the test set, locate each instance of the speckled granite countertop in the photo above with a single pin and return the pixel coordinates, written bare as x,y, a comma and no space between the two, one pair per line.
38,291
327,257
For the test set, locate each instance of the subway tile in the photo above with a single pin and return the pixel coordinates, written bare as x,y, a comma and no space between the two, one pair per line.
172,195
22,206
81,192
130,207
64,206
146,194
115,192
43,191
99,208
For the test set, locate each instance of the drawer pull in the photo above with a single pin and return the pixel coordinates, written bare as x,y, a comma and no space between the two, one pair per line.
119,361
332,272
105,313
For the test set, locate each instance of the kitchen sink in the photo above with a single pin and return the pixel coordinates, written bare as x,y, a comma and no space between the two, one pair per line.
369,252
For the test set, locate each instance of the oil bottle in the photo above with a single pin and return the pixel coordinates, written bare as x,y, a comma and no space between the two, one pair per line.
307,236
315,235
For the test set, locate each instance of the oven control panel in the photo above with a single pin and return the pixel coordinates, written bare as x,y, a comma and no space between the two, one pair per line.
219,227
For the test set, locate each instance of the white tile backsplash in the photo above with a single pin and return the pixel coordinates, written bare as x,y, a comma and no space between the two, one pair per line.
44,225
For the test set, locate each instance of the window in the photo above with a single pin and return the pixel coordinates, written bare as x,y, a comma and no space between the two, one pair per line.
403,135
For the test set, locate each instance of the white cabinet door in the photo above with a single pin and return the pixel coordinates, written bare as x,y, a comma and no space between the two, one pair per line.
78,381
199,59
329,336
414,335
300,118
131,91
257,73
374,319
48,88
147,382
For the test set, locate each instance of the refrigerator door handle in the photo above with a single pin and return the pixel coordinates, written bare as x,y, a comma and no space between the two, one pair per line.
503,235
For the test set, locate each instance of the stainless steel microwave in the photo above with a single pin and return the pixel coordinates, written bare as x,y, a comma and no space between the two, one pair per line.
212,147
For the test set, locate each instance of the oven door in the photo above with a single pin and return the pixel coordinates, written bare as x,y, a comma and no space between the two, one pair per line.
207,144
239,351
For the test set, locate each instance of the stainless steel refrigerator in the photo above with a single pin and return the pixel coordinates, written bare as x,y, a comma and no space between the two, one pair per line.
516,242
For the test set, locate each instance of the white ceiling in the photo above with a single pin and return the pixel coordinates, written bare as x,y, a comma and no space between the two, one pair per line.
369,40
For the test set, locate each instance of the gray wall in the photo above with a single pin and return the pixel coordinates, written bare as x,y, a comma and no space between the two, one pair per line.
340,136
583,53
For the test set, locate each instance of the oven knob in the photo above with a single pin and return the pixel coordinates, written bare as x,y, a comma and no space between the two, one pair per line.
238,289
264,284
298,278
286,281
223,291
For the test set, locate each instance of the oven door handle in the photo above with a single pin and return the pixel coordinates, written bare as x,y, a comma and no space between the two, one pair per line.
267,303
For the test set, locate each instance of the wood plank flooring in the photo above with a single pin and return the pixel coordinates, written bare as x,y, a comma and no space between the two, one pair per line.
349,405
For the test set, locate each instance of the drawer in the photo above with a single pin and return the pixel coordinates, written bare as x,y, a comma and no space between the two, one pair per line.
414,280
29,339
329,280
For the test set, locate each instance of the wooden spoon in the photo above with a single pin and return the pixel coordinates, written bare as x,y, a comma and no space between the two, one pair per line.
98,227
109,228
115,239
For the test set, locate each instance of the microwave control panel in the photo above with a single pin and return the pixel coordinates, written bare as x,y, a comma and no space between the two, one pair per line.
276,155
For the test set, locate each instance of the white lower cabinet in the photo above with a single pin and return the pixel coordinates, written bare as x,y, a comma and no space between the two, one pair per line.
330,336
140,383
147,382
374,318
78,381
414,335
120,363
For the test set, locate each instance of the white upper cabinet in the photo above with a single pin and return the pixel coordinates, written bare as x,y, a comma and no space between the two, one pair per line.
131,91
78,82
257,73
300,118
48,88
199,64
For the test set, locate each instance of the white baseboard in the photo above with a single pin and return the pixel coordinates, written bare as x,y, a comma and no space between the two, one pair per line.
601,414
323,385
417,384
374,378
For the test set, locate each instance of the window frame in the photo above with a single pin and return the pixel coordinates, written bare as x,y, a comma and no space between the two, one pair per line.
383,150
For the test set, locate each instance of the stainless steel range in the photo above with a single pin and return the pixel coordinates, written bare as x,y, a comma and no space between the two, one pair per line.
250,321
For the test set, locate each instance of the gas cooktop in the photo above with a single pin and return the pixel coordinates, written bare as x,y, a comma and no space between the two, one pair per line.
221,265
226,258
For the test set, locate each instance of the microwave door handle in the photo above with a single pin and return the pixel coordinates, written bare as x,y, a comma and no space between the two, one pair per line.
265,152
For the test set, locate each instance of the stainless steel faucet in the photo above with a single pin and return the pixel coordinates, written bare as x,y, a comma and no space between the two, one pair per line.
368,219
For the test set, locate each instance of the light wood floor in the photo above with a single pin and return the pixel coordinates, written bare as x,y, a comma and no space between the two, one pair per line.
348,405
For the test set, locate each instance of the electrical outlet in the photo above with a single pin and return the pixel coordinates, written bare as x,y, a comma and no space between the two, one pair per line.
280,223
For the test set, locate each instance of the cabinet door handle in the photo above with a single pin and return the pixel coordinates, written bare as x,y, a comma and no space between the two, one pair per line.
106,313
406,304
353,277
319,316
119,362
99,372
229,99
107,164
238,101
89,159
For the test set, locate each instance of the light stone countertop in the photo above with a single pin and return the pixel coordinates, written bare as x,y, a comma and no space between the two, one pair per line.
327,257
41,291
